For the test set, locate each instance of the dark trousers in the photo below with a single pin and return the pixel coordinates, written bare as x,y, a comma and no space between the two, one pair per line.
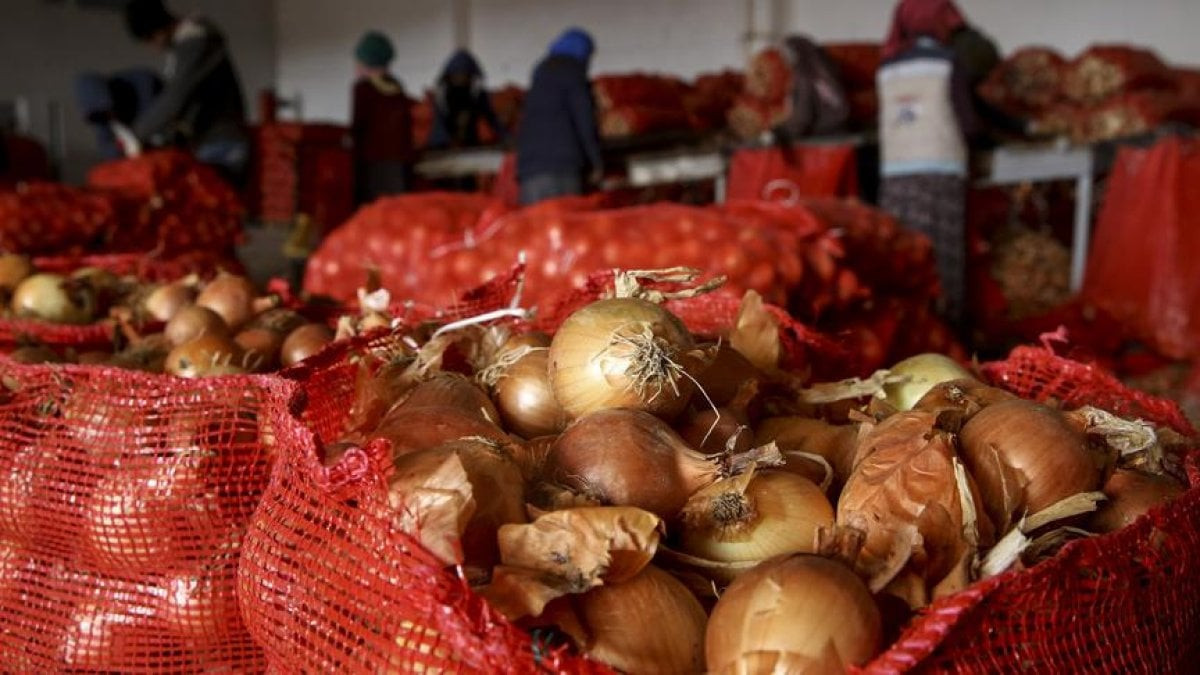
542,186
380,179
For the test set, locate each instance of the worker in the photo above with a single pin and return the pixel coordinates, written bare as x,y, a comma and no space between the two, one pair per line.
558,144
925,120
459,103
117,99
201,105
381,122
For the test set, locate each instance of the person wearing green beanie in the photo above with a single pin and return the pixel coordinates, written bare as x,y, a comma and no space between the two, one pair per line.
381,122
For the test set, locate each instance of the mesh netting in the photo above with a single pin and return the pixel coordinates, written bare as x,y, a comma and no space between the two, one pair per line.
124,498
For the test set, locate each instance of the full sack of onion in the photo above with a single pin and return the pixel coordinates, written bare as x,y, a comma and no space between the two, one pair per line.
795,614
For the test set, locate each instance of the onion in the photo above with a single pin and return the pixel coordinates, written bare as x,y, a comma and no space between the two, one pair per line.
712,430
630,458
38,354
923,372
726,373
165,301
279,320
1130,495
50,297
230,296
413,429
13,270
621,353
809,612
201,605
304,342
967,396
204,356
648,624
755,516
260,347
496,487
192,322
520,381
1026,457
834,443
452,390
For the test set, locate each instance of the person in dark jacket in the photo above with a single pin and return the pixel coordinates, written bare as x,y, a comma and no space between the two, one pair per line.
558,143
381,122
201,105
119,98
459,102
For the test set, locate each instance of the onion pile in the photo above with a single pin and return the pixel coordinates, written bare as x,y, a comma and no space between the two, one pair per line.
622,479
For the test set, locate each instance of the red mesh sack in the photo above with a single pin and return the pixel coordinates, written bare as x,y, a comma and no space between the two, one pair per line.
1104,70
749,117
123,506
1141,268
774,174
1138,587
857,62
635,120
1187,82
638,89
47,217
1028,81
145,266
174,203
710,98
1133,113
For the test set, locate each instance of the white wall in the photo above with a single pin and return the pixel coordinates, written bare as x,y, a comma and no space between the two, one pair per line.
316,37
44,45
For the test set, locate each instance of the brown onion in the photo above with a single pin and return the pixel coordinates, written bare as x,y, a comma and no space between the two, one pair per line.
710,431
726,373
203,356
1130,495
630,458
966,396
50,297
1026,457
452,390
230,296
304,342
38,354
809,612
755,516
13,270
165,301
260,347
522,387
279,320
648,624
835,443
413,429
621,353
192,322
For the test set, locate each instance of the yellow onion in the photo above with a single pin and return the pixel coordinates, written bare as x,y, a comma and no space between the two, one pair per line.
35,354
50,297
650,624
755,516
621,353
230,296
923,371
162,303
808,612
304,342
1130,495
192,322
412,429
726,373
630,458
522,389
260,347
279,320
204,356
452,390
1026,456
835,443
13,270
967,396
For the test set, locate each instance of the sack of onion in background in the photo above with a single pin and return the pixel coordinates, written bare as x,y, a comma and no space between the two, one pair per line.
1107,92
49,218
124,501
385,514
169,203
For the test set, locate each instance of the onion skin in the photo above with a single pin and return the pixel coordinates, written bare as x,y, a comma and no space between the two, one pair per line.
630,458
1031,452
966,396
304,342
723,376
452,390
774,514
812,609
650,624
230,296
925,371
192,322
413,429
592,369
526,399
835,442
1131,495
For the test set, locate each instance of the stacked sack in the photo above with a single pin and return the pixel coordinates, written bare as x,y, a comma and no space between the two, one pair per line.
48,217
302,168
1108,91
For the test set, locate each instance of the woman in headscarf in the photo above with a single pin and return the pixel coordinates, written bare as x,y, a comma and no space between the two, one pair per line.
558,144
459,102
925,119
381,122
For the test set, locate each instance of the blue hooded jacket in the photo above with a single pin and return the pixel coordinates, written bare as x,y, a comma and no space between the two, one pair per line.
558,133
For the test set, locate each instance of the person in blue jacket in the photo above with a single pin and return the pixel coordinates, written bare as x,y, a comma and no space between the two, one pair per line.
459,102
558,144
116,98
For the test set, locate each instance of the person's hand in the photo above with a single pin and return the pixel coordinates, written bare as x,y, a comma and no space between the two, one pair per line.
128,141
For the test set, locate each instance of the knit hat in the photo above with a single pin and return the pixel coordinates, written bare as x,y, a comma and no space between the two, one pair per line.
574,42
374,50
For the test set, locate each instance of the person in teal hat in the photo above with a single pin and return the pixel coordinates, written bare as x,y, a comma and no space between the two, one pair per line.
381,122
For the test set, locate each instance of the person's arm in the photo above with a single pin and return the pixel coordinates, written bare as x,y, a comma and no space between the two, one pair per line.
358,115
489,115
195,58
583,118
439,131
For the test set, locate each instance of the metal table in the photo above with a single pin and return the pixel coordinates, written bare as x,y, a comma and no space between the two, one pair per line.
461,162
1037,163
